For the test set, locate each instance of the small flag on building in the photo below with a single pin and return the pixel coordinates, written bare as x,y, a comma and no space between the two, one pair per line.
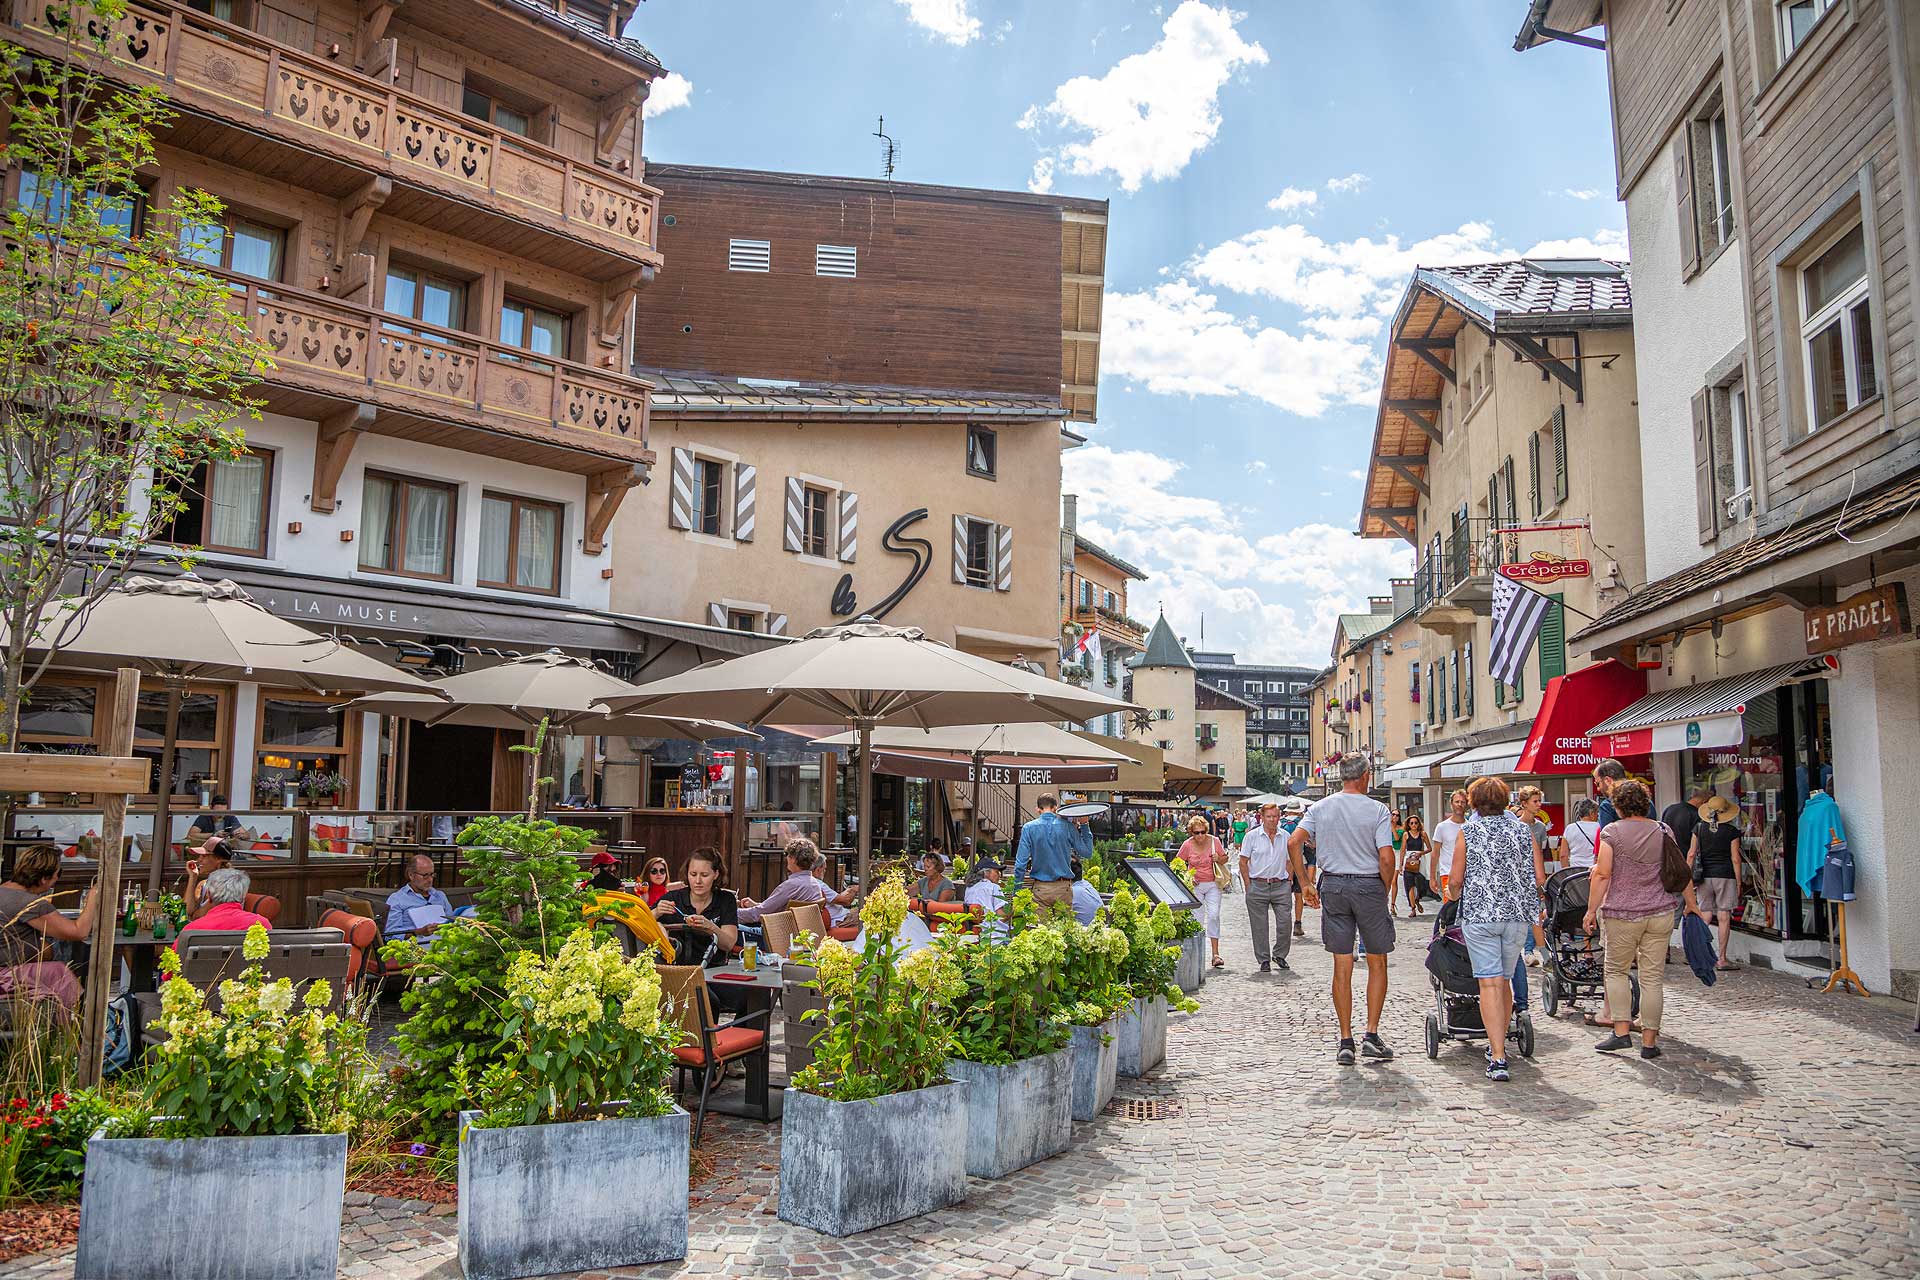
1517,616
1090,647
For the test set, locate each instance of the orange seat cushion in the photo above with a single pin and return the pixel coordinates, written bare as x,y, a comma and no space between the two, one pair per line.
845,933
730,1043
361,934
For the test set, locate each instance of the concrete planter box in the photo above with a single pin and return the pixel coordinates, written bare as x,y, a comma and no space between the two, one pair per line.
1191,972
848,1167
1017,1114
541,1198
237,1208
1143,1036
1096,1065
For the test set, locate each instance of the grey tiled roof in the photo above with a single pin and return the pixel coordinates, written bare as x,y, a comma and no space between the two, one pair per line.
1163,648
1583,291
586,27
678,392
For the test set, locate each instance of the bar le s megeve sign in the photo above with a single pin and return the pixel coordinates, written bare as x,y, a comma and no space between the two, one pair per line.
1874,614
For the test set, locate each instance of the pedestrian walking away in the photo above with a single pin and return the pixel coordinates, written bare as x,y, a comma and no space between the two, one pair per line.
1271,871
1206,857
1353,889
1493,874
1583,834
1043,860
1634,896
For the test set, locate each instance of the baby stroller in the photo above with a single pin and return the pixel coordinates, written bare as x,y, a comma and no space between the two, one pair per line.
1574,968
1456,993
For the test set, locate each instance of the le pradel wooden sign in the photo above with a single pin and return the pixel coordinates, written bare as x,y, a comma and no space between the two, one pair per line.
1874,614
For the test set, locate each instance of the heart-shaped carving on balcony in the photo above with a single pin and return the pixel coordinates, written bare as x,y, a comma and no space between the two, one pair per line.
310,347
413,148
298,103
625,423
396,367
426,371
469,166
342,355
330,116
362,127
600,419
441,156
576,410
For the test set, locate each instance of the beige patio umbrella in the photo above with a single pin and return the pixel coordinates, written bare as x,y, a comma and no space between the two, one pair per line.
983,745
552,686
866,676
183,629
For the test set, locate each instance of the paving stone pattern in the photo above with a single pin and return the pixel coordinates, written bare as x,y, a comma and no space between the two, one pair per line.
1779,1136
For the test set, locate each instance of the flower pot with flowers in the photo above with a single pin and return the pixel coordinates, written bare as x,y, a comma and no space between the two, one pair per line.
1148,972
577,1160
874,1131
1096,999
242,1171
1010,1042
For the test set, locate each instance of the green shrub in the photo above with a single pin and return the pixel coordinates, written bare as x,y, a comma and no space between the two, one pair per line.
1015,988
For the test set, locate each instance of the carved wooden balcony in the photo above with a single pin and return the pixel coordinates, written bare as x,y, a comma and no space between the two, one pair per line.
361,124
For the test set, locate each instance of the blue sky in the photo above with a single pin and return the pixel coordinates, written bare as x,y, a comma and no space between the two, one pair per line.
1275,171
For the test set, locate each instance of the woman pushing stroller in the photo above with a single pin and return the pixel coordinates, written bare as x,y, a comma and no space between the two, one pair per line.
1491,872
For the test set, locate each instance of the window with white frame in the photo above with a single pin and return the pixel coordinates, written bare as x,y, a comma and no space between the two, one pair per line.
1719,187
709,489
1797,20
980,539
816,531
1733,467
1836,329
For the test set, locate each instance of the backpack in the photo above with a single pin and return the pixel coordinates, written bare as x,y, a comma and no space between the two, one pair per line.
119,1044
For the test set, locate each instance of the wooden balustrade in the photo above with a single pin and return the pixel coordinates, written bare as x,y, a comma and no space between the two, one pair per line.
239,75
321,343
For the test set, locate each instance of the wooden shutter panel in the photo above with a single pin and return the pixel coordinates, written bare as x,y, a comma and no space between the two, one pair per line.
745,481
1493,498
1506,483
680,491
777,624
849,525
1560,453
1003,558
796,502
1683,198
1553,642
960,549
1703,466
1533,475
716,614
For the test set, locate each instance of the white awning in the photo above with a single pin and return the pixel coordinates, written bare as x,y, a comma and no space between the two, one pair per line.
1413,769
1494,757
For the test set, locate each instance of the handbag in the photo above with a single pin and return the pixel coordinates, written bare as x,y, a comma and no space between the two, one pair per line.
1674,871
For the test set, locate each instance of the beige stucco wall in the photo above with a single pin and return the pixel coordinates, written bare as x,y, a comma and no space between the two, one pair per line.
1230,750
1171,689
1603,484
894,468
1394,708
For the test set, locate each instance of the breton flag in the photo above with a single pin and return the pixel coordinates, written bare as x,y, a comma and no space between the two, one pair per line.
1517,616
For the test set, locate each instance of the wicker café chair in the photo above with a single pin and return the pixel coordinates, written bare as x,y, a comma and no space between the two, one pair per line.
810,918
708,1047
777,930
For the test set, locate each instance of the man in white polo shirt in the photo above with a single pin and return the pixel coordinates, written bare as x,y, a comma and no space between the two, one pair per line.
1354,835
1269,870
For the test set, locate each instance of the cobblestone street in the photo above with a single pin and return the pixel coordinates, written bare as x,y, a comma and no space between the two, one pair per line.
1778,1136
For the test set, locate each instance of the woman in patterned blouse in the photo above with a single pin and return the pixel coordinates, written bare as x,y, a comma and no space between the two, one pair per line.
1492,875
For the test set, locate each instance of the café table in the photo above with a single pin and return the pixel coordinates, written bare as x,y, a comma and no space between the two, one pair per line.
759,1100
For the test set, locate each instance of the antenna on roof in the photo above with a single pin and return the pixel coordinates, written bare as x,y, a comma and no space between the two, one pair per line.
889,150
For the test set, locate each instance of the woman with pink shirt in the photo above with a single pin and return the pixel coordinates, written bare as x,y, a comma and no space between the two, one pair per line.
1206,857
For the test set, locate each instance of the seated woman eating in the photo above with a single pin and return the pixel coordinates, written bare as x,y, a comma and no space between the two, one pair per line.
29,921
700,918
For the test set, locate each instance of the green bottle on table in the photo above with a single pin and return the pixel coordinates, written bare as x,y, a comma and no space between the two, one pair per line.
130,923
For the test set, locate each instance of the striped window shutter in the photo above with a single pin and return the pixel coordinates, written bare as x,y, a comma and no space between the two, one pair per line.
960,549
1553,642
849,525
745,478
777,624
716,614
680,492
796,501
1003,572
1560,453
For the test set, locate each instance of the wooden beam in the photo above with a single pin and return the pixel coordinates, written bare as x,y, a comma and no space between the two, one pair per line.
103,960
1394,523
1404,459
1424,349
372,27
333,445
1387,512
1424,414
1399,468
356,212
1426,344
56,774
617,111
606,490
1538,353
616,296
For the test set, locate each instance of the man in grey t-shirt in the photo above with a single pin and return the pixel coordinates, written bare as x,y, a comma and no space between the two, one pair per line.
1353,833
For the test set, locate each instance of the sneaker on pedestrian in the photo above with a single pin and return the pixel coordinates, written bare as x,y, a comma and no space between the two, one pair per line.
1345,1056
1298,931
1265,967
1497,1070
1613,1044
1372,1046
1649,1051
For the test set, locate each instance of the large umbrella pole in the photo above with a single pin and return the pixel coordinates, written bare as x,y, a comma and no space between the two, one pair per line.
163,800
101,959
863,836
973,818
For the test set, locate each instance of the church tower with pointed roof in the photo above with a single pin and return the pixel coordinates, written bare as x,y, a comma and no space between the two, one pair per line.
1198,724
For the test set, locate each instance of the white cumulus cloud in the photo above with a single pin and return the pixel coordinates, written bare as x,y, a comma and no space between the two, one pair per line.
1342,277
1582,193
1152,112
1348,185
1606,243
669,91
949,20
1291,198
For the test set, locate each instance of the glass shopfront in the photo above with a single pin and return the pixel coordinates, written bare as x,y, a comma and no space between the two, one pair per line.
1787,752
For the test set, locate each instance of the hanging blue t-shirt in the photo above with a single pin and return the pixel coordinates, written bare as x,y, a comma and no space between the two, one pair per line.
1820,825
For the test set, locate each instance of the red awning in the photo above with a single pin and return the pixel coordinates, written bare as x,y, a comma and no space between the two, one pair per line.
1571,705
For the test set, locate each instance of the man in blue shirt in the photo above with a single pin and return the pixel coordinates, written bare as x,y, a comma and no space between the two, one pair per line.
417,909
1607,775
1043,861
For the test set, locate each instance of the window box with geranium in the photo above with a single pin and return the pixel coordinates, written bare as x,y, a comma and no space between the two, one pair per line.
874,1132
578,1159
250,1099
1011,1044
